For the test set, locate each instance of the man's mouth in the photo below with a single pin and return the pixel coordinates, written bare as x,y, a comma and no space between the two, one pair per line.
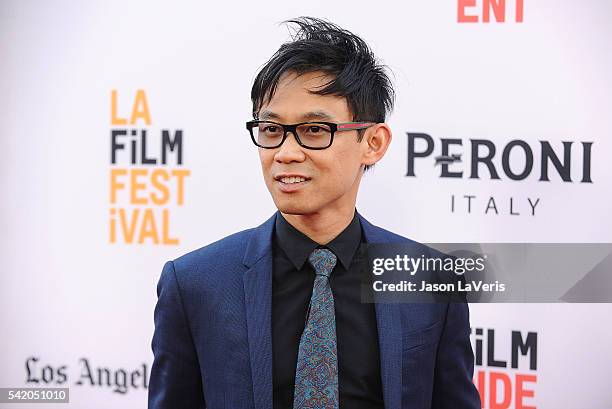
293,179
291,182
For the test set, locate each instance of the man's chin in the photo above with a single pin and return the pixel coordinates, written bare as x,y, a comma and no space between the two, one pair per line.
295,209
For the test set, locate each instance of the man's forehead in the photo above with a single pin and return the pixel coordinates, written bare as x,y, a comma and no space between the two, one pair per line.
316,114
321,107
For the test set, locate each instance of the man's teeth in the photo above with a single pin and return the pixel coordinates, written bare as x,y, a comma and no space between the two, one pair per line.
293,179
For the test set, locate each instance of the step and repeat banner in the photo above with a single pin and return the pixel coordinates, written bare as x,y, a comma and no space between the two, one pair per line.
124,146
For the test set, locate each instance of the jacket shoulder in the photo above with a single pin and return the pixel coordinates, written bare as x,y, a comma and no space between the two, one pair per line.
394,237
381,236
378,234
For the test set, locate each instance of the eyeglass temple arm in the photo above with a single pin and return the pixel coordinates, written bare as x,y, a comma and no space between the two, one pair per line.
350,126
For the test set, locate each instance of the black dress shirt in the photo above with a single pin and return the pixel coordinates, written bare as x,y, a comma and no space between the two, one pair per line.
359,379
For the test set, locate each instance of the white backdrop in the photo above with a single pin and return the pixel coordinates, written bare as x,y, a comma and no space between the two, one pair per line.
70,296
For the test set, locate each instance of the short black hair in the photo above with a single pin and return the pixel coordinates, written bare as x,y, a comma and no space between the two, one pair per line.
319,45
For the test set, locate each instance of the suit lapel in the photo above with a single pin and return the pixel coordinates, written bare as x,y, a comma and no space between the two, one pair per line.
258,302
389,323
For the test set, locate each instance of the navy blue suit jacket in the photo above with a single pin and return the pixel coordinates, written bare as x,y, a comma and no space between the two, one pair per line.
213,340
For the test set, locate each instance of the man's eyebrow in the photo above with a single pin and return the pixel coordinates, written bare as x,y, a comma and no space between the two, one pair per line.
268,115
317,115
308,116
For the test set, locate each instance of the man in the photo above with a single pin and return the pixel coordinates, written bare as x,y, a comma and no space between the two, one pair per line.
272,316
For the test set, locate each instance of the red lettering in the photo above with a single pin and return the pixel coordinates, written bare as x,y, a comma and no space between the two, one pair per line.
461,16
498,7
494,377
519,11
522,393
491,9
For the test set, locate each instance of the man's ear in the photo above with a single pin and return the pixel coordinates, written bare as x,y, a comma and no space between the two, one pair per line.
376,141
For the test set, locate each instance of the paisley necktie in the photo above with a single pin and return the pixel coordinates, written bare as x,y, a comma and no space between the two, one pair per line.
316,375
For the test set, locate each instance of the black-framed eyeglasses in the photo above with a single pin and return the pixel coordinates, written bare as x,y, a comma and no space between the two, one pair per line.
310,135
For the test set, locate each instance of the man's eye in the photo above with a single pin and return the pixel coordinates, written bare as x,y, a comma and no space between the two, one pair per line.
271,129
315,129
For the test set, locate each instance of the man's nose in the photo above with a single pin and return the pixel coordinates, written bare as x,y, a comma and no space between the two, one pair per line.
290,150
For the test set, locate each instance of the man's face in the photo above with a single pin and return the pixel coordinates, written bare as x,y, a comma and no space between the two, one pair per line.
333,174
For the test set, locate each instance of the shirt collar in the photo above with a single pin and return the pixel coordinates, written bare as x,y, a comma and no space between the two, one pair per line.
297,246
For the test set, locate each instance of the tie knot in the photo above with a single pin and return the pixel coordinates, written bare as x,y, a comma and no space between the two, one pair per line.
323,261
